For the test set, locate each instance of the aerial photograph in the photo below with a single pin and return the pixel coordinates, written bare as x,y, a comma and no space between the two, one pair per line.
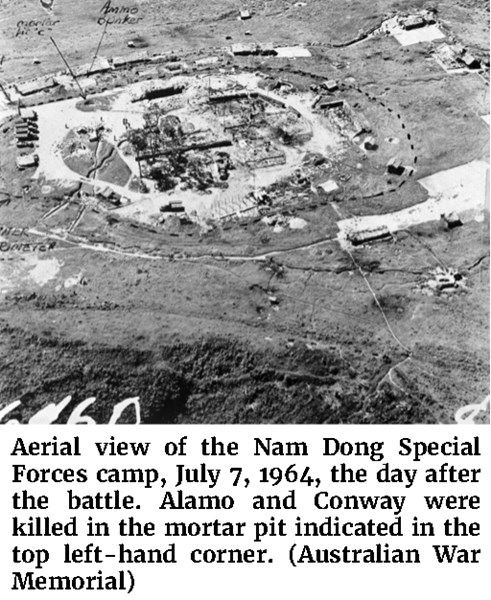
244,211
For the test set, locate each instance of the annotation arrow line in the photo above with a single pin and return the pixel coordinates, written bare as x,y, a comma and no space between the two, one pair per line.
82,93
98,48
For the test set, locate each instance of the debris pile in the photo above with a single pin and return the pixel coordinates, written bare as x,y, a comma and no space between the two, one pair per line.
456,57
280,222
445,280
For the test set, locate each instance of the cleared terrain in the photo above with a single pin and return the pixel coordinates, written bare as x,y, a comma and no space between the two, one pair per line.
250,320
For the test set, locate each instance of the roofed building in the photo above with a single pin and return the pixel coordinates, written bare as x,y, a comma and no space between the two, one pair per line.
242,49
470,61
328,187
26,161
413,22
28,114
368,235
395,167
330,85
33,86
99,65
130,59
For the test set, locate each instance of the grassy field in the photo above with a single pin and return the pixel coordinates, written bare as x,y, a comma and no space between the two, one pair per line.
296,337
189,26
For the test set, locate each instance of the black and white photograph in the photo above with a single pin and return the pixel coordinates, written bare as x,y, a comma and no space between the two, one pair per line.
244,212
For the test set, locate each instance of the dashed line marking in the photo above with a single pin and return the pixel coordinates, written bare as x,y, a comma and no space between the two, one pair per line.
403,125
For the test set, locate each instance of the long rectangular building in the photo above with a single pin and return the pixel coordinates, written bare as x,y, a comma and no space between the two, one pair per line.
99,65
35,85
130,59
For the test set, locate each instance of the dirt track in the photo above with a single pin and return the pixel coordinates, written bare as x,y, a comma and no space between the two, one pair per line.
249,322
